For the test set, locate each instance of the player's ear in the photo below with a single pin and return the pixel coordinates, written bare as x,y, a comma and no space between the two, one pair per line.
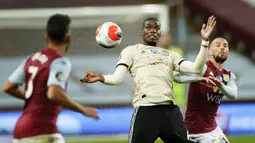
68,39
141,32
209,51
46,38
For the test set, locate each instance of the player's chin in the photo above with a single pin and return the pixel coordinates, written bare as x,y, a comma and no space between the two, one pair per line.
152,41
220,59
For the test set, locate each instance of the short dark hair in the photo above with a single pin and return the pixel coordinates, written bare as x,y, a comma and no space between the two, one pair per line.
58,27
150,19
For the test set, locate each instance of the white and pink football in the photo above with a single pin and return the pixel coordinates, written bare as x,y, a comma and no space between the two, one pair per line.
108,35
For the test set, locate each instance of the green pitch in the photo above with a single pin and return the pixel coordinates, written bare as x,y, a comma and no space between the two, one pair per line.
84,139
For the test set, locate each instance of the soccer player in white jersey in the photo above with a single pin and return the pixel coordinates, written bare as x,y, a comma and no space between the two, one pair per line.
155,114
206,92
45,75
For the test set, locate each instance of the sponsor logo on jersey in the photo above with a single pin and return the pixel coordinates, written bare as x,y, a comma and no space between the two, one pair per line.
164,53
158,60
214,98
219,77
154,51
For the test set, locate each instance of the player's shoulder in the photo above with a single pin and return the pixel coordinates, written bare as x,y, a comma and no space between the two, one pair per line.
229,72
27,58
232,75
173,54
131,48
61,62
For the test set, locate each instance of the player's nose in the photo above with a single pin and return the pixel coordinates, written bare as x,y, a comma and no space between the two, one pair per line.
153,30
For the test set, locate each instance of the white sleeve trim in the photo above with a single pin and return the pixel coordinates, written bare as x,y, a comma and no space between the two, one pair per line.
117,77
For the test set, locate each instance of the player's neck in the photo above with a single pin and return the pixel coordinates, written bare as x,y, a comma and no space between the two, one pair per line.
58,48
219,66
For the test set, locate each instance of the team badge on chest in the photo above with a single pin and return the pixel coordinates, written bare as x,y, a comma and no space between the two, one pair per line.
226,77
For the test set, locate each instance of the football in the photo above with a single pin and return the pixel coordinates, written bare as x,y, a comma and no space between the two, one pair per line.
108,35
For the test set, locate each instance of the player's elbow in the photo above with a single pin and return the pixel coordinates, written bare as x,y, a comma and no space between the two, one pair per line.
7,87
118,82
198,70
233,97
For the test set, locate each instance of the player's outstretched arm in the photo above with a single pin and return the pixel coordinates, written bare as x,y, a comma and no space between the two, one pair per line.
59,72
11,86
124,63
186,78
114,79
56,94
196,67
230,90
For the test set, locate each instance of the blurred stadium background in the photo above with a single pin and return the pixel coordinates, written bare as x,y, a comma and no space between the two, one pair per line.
22,25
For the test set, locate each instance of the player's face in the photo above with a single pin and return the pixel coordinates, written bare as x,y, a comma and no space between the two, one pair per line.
219,50
151,32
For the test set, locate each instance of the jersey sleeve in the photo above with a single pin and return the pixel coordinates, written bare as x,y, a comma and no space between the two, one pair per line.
18,76
125,58
230,90
177,60
185,77
60,70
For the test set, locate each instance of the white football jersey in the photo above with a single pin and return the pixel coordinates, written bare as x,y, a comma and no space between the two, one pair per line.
152,71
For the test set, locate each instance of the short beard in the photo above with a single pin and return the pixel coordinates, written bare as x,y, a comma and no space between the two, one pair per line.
220,60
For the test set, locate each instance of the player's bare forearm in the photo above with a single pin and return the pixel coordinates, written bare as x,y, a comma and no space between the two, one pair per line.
116,78
56,94
14,90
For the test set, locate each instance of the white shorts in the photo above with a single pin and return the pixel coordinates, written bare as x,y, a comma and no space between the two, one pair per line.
51,138
215,136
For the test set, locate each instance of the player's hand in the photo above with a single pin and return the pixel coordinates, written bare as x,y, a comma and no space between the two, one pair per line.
208,28
92,77
206,79
215,80
91,112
